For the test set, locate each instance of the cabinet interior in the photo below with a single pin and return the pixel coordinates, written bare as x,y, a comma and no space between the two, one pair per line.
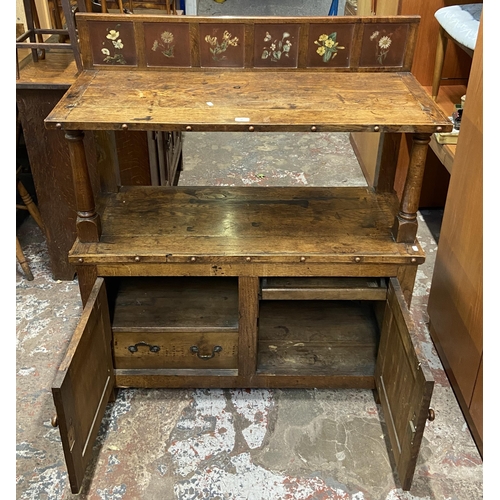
305,326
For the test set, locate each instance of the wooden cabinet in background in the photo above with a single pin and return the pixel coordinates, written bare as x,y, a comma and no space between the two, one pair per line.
456,297
114,157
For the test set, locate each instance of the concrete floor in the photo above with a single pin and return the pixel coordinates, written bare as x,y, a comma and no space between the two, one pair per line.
233,444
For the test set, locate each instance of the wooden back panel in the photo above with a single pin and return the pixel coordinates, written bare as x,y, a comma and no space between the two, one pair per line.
157,42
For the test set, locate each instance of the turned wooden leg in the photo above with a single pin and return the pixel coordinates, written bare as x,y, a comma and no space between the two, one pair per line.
30,204
405,225
22,261
88,222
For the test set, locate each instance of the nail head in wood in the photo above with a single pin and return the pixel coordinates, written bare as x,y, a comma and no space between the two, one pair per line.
357,259
413,259
58,125
314,128
193,259
251,128
189,128
439,129
376,128
80,260
137,258
302,259
124,126
248,259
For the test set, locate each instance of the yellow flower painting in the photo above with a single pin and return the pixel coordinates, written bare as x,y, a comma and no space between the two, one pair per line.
328,46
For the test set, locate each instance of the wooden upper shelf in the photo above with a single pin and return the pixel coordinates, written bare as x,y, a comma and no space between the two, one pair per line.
181,73
238,101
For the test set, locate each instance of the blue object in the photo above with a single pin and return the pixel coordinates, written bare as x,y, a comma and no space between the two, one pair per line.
334,8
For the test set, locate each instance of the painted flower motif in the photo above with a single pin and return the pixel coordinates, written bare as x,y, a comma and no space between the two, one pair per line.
166,44
278,48
328,46
111,53
382,46
212,40
167,37
217,49
384,42
113,34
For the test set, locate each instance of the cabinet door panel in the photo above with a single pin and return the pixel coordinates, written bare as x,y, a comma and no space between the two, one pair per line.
404,384
84,383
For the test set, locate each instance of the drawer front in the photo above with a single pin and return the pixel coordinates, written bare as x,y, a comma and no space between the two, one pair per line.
177,350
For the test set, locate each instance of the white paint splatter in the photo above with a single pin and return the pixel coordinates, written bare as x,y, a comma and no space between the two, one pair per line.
251,482
189,453
115,493
26,371
48,483
399,494
254,405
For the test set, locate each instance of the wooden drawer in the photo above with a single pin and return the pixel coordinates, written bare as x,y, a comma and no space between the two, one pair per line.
345,288
180,350
174,323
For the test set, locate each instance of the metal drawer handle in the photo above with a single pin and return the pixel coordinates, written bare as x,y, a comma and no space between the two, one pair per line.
135,348
195,350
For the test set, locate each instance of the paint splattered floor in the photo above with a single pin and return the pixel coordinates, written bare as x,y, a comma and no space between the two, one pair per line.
232,444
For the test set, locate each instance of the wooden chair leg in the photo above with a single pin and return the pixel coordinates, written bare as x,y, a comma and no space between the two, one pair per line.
30,205
22,261
438,65
36,22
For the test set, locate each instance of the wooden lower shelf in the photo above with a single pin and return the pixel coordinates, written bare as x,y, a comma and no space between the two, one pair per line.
246,225
317,338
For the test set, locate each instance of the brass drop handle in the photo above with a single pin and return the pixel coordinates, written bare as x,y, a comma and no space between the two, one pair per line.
195,350
135,348
53,421
431,415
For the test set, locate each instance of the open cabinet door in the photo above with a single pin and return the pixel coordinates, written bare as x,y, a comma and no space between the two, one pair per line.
404,384
84,383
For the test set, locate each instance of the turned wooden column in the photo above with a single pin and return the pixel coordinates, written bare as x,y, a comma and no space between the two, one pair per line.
405,225
88,222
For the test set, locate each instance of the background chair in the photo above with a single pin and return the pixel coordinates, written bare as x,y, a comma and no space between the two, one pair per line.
25,203
459,23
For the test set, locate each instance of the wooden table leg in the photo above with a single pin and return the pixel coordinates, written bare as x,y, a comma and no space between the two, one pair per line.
405,225
88,222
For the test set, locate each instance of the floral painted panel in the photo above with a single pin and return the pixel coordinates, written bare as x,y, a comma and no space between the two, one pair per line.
329,45
222,45
113,43
167,44
276,45
383,45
